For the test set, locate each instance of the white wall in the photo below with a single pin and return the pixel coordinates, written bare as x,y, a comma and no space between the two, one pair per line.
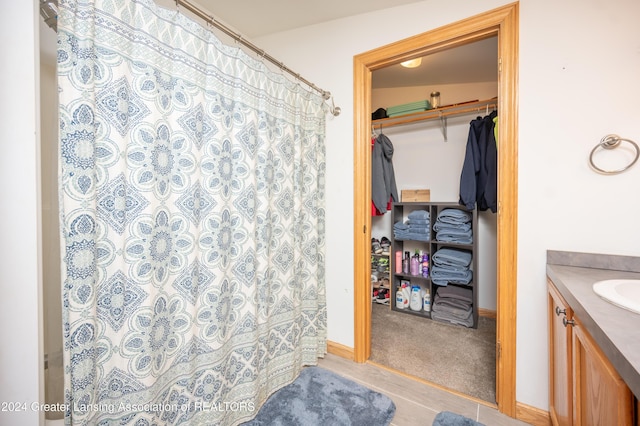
579,80
51,280
20,323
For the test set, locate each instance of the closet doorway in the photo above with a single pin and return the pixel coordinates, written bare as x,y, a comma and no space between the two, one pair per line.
503,23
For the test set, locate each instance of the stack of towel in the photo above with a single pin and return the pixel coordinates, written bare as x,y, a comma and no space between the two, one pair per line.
417,227
454,226
453,304
451,266
417,106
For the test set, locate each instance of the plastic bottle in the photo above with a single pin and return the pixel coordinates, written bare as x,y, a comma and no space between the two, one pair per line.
399,298
416,298
398,262
425,265
415,265
406,293
405,262
426,301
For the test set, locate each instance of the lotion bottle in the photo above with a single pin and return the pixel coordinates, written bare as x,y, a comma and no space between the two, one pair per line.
416,298
426,303
399,298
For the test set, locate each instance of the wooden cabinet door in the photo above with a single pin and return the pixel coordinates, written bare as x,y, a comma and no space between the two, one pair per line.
601,396
560,360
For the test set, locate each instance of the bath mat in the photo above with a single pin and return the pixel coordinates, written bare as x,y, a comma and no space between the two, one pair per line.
320,397
446,418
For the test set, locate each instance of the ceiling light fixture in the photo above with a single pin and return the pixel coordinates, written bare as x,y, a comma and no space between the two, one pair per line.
413,63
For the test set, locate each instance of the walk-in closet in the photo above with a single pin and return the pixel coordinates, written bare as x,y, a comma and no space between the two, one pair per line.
429,150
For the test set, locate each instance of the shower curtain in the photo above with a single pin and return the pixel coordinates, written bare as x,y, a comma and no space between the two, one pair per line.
192,220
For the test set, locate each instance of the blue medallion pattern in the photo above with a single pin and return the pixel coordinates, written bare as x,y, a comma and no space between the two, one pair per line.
196,203
225,168
156,333
198,125
159,245
192,219
193,281
118,299
119,203
119,104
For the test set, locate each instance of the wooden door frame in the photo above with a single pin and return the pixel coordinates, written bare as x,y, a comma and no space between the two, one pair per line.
502,22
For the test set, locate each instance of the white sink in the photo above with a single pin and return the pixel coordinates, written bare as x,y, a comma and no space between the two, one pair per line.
622,293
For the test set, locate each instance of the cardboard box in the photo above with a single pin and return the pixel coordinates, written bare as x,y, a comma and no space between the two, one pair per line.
415,195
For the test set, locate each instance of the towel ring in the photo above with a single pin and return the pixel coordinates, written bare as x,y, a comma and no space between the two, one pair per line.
611,142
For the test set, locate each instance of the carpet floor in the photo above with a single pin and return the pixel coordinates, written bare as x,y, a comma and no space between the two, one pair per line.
457,358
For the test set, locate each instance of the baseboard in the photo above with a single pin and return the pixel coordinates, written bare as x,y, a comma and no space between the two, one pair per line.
532,415
487,313
340,350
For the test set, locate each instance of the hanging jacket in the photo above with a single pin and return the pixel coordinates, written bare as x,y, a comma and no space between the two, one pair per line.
479,176
383,180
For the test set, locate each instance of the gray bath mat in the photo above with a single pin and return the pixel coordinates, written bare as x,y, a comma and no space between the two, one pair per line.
446,418
320,397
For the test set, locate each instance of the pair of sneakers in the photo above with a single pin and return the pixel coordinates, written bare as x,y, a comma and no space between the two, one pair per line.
382,297
381,246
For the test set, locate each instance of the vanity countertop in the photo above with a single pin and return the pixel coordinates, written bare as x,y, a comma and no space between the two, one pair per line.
614,329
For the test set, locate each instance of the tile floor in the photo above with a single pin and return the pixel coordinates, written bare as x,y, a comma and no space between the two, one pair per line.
416,403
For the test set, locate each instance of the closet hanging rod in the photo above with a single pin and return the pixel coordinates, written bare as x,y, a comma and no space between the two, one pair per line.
438,113
260,52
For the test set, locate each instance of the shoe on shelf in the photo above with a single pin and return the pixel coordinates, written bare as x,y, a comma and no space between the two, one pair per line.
375,246
383,296
385,243
384,283
382,265
382,301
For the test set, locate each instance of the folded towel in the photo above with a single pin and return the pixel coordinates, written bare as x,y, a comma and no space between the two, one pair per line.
404,235
400,226
419,229
442,276
454,215
453,306
423,222
410,106
419,214
409,111
444,317
454,292
443,226
452,236
452,257
450,267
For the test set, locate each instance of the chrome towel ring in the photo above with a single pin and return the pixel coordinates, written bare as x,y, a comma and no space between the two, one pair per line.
611,142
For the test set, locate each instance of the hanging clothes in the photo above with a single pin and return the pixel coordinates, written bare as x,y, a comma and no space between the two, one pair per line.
479,176
383,180
374,210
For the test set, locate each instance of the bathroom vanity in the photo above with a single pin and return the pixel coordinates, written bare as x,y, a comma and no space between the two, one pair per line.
594,346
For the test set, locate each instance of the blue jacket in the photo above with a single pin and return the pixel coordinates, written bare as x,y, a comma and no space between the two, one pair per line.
479,177
383,179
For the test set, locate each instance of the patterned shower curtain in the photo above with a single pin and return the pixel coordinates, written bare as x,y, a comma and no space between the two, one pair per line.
192,220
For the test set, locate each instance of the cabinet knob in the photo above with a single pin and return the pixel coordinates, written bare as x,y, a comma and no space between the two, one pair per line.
560,311
566,322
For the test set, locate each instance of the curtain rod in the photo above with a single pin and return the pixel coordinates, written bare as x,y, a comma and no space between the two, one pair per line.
238,38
